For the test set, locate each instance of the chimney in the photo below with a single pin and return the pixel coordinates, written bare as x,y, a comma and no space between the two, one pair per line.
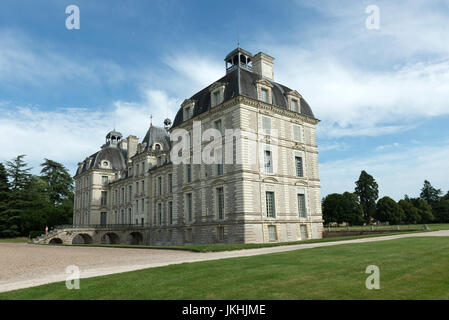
133,141
263,65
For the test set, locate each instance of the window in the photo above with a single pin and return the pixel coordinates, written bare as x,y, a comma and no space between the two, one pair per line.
295,105
137,187
220,203
170,212
137,170
271,213
143,167
264,95
122,217
170,235
216,97
303,232
116,196
219,169
142,221
159,183
143,186
104,180
266,125
296,133
189,235
218,125
298,165
189,207
220,233
189,173
268,165
302,206
187,113
129,215
170,183
123,195
159,212
143,205
104,195
272,235
130,191
103,218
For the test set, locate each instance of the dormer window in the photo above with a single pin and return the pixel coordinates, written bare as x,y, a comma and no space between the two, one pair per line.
295,105
188,106
157,147
216,96
294,101
264,90
216,93
264,95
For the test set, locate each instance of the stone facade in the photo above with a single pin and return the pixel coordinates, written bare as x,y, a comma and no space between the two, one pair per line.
269,191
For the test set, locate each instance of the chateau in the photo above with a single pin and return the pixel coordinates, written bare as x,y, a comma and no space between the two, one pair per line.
264,187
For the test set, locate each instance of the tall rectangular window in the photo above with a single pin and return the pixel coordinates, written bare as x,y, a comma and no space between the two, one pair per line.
143,186
170,183
142,205
303,231
104,180
130,192
302,205
220,203
189,173
216,95
272,234
159,212
295,105
268,163
170,212
264,95
103,218
266,125
159,183
104,195
189,207
186,113
296,133
123,195
271,211
218,125
220,233
116,196
298,165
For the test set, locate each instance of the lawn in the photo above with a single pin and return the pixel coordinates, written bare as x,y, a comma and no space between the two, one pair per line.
410,268
14,240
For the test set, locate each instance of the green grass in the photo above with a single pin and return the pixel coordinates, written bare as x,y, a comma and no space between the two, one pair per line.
14,240
433,227
410,268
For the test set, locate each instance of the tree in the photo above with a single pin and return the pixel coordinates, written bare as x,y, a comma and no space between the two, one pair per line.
4,198
411,214
18,201
342,208
429,193
58,181
387,210
368,191
424,210
446,197
441,210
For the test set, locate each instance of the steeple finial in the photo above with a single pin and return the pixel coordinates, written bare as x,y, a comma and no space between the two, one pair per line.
151,120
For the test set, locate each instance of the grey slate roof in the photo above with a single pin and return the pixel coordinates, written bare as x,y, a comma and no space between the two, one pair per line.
241,82
114,155
157,134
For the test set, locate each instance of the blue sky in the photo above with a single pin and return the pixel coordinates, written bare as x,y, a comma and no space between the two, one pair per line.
382,95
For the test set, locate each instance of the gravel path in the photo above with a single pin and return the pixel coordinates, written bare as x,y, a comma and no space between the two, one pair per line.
26,265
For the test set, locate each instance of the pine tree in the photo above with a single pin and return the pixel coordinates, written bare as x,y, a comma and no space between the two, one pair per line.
18,201
368,191
429,193
4,199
